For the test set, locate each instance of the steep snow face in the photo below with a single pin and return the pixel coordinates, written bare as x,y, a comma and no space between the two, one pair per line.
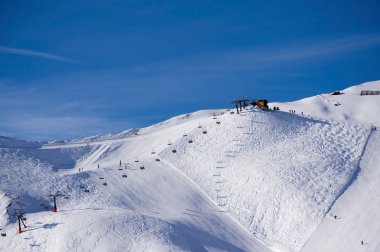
277,173
349,107
357,210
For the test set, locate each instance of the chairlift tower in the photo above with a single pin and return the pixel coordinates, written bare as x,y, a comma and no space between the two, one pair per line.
240,104
55,195
20,219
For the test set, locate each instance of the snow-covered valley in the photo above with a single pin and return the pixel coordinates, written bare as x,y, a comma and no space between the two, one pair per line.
205,181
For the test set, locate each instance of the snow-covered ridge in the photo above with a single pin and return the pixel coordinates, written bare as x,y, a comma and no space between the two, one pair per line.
349,107
7,142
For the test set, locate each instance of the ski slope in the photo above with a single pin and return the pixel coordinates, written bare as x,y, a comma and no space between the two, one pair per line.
254,181
277,173
156,209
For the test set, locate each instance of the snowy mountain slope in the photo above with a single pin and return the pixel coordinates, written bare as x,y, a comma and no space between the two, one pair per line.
352,107
277,173
156,209
357,210
271,175
7,142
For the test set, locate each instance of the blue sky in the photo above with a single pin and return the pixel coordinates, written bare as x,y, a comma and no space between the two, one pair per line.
71,69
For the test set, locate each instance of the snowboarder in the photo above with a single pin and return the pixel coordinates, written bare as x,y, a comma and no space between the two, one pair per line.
120,163
98,165
335,216
362,242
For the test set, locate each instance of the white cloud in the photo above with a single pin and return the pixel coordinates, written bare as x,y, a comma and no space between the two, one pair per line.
20,51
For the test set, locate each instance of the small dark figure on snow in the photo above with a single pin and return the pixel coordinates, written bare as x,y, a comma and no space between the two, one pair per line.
335,216
362,242
98,165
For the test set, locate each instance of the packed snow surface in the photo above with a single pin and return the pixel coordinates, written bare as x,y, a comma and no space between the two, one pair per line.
204,181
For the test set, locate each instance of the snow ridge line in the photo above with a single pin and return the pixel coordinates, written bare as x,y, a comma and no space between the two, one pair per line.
215,203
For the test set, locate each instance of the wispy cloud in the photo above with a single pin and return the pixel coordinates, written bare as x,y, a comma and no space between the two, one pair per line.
38,114
325,48
20,51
